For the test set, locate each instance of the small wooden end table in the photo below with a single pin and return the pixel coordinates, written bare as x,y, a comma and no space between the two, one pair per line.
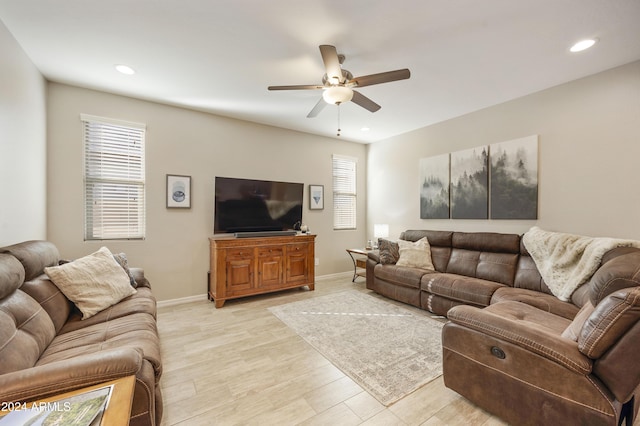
358,262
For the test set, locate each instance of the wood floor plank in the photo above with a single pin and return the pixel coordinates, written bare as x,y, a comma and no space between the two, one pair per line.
240,365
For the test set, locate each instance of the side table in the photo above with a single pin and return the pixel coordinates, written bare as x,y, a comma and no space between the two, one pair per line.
358,262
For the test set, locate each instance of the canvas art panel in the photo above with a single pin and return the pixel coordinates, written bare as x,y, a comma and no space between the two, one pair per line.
514,179
434,187
469,183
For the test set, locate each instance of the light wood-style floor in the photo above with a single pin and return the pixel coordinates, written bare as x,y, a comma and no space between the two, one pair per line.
240,365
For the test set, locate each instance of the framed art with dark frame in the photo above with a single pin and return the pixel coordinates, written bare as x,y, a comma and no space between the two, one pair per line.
316,197
178,192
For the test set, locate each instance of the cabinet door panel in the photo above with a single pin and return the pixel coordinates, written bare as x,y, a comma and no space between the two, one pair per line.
270,267
239,275
297,263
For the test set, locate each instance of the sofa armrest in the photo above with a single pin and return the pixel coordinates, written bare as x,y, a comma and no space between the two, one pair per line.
374,255
524,334
67,375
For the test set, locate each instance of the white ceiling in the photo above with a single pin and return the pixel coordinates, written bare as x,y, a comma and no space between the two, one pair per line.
220,55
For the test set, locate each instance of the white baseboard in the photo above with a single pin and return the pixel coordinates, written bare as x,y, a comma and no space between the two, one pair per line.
199,297
180,301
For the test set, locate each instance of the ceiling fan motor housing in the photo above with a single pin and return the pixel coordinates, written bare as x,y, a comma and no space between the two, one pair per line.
346,75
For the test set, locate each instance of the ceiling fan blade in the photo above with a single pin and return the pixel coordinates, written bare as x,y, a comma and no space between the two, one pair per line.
298,87
331,63
364,102
383,77
316,109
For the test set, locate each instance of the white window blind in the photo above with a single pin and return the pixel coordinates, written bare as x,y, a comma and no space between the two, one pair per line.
344,192
114,179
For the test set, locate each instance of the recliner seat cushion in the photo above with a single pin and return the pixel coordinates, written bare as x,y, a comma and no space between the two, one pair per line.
400,275
543,301
461,288
137,331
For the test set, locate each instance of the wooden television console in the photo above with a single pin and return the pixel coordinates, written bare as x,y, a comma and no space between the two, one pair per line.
248,266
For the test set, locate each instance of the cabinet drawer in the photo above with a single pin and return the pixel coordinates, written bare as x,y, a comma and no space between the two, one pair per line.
239,253
297,248
270,251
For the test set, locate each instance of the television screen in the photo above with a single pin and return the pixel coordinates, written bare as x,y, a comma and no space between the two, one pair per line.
245,205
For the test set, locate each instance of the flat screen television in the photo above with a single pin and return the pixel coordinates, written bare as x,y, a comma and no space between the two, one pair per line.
246,205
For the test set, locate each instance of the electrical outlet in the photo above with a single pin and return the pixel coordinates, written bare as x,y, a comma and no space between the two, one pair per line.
317,261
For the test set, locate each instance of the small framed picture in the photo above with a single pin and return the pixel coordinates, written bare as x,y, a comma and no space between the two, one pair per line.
316,197
178,192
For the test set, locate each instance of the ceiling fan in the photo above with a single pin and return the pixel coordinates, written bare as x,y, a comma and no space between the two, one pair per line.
338,83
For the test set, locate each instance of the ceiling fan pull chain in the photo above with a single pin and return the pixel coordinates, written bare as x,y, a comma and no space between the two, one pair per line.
338,119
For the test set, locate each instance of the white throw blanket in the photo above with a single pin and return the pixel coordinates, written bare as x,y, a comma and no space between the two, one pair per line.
567,261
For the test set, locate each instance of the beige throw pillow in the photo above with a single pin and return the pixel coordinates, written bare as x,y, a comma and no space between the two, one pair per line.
92,283
416,255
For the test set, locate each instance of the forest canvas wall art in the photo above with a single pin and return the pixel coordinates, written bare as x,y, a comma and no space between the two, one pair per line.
514,179
434,187
469,184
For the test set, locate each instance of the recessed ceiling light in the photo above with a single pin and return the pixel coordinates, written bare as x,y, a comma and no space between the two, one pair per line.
583,45
125,69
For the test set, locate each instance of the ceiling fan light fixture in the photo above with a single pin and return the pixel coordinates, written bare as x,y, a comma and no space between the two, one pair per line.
336,95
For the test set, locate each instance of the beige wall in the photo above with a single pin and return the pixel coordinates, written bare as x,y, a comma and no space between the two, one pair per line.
184,142
589,151
22,145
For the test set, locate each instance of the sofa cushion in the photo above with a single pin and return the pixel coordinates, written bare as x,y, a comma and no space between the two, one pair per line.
137,331
34,256
388,251
618,273
610,319
11,275
543,301
527,275
573,330
25,331
50,298
415,254
93,282
461,288
140,302
400,275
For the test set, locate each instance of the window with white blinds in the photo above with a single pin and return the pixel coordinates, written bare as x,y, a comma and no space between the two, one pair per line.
114,179
344,192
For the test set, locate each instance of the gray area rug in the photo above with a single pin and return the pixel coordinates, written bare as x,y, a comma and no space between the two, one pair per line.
390,351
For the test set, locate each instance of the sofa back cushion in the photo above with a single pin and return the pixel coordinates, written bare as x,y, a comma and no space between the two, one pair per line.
25,328
439,242
34,256
610,320
527,275
52,300
11,275
614,274
485,255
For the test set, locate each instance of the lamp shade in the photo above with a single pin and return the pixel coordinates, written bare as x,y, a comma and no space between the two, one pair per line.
337,95
381,230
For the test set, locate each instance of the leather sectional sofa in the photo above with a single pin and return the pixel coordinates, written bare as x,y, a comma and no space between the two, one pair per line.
513,348
46,348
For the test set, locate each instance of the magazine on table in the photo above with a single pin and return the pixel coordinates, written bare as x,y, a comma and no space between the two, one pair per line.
84,409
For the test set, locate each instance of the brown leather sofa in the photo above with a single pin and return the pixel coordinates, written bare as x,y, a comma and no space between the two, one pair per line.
47,349
513,348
